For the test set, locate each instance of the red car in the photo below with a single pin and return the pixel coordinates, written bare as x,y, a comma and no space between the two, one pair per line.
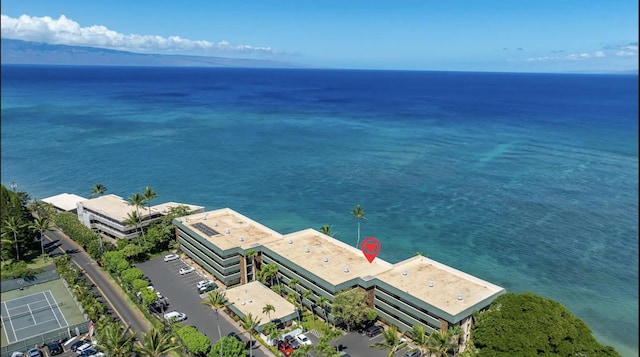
285,348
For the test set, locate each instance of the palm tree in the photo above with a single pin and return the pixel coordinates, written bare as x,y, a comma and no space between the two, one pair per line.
418,334
358,214
132,221
138,201
252,254
326,229
11,225
98,190
391,341
41,224
268,309
155,343
216,300
302,351
271,330
149,194
116,339
268,272
440,343
248,324
322,302
293,284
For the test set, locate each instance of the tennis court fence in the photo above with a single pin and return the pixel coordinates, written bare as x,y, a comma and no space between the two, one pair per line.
61,334
49,274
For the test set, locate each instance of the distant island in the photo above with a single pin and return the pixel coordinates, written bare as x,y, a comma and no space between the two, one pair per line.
37,53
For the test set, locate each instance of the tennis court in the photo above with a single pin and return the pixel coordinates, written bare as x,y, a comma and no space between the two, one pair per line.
31,315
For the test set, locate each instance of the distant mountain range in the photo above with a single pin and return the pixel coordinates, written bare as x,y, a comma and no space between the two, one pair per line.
26,52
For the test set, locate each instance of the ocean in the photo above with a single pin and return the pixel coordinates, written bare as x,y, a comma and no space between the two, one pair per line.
529,181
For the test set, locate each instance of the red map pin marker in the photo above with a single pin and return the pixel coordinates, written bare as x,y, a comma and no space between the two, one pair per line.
370,247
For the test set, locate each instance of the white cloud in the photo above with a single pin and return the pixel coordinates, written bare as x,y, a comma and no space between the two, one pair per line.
64,31
627,51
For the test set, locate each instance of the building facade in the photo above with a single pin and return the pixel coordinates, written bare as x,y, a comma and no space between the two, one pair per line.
416,291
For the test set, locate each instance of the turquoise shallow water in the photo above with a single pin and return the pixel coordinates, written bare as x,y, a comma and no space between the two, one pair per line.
527,181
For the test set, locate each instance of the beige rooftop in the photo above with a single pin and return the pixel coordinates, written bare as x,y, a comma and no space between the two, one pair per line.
229,229
65,201
253,297
117,208
416,274
309,249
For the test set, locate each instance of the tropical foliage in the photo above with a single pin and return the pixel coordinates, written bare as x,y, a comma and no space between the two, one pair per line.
390,341
527,324
155,343
350,307
230,347
116,339
194,341
358,214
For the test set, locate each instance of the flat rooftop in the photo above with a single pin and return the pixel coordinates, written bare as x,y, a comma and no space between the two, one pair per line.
165,207
65,201
326,257
228,229
448,284
252,297
112,206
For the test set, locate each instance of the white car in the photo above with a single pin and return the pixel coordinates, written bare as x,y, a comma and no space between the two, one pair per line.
204,283
171,257
303,339
178,316
187,270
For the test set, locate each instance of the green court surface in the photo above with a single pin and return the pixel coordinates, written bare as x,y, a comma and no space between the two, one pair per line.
37,309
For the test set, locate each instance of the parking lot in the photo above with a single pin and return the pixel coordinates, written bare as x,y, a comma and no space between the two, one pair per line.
181,293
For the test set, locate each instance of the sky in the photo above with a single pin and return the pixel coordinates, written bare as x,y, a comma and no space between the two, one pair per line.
464,35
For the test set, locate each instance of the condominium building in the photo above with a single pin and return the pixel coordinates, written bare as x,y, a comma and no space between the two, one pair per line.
110,215
416,291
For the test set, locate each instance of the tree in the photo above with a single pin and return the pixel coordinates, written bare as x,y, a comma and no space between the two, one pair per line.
194,341
271,330
13,226
41,225
528,324
391,341
148,195
249,323
268,309
155,343
228,347
322,302
269,273
324,347
252,254
138,201
350,307
116,339
326,229
216,300
358,214
98,190
418,334
302,351
439,343
133,220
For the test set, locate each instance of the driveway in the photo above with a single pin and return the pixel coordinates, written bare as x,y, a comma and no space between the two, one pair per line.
182,295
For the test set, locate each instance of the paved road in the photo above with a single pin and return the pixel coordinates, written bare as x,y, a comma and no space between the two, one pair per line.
182,295
112,294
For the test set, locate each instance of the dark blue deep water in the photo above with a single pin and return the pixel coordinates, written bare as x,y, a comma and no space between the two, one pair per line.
529,181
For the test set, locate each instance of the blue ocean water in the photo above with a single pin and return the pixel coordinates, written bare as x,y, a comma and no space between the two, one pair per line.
529,181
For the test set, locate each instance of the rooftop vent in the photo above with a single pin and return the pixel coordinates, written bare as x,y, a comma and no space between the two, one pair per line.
325,259
227,231
404,272
241,239
290,241
215,224
346,269
204,218
431,284
459,297
250,301
306,250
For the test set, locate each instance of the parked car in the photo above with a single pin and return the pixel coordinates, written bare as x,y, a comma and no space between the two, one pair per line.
364,326
81,349
89,352
285,348
186,270
204,283
17,354
34,352
55,348
303,339
373,331
414,353
207,288
178,316
171,257
75,345
292,341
